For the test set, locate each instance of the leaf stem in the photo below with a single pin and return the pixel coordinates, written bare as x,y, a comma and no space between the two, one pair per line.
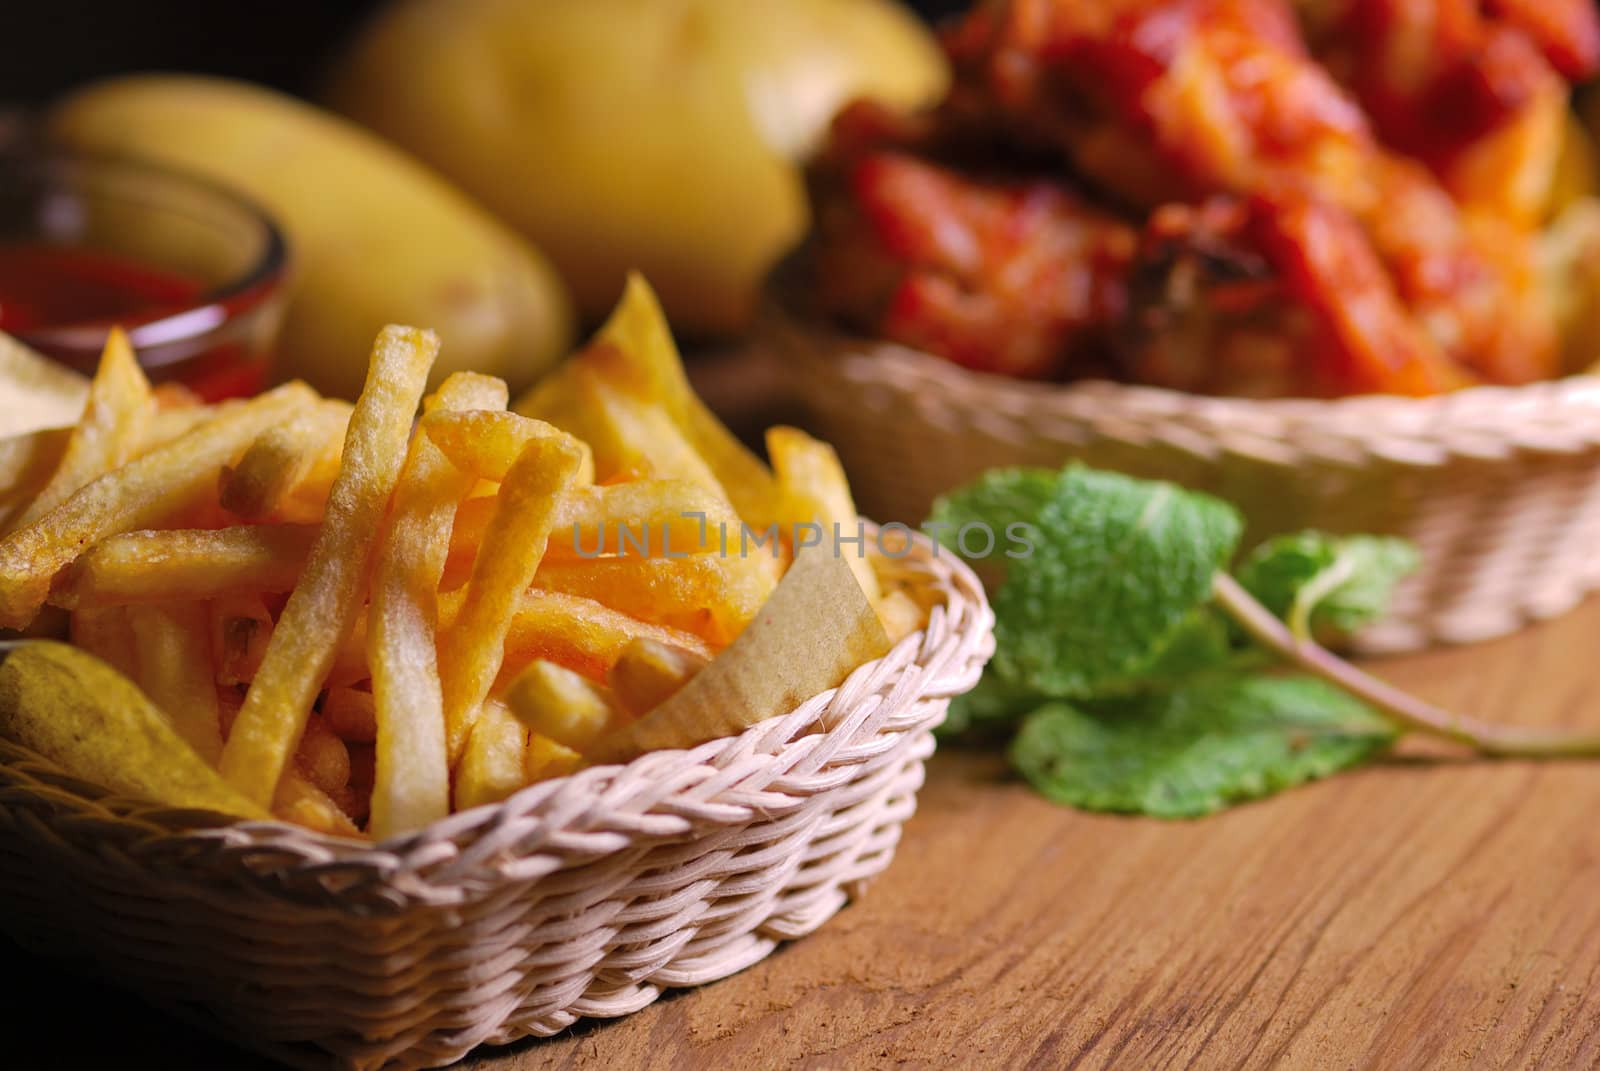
1405,710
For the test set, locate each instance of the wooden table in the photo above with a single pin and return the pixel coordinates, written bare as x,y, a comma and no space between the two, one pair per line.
1423,912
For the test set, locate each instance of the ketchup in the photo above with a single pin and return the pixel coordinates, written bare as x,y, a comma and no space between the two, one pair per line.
54,286
46,286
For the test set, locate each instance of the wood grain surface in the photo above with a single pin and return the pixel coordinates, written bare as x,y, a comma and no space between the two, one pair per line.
1426,912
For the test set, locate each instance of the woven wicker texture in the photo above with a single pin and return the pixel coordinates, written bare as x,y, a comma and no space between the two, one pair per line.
1499,487
585,896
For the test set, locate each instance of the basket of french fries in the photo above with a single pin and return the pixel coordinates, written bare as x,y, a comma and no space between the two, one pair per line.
366,738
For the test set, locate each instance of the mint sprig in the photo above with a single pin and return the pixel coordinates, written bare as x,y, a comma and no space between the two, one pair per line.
1146,677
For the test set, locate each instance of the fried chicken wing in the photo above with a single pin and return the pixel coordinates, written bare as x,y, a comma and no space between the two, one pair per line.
1162,101
1288,246
1473,88
1021,278
1271,297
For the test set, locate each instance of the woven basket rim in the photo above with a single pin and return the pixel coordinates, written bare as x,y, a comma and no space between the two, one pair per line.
579,815
1558,414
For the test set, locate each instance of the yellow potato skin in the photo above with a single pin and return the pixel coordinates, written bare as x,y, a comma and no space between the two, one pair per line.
657,135
376,237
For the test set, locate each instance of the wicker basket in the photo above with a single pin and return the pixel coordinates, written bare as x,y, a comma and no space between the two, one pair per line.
1500,487
585,896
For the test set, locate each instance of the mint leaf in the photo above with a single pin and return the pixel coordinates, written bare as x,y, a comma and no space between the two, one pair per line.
998,500
991,707
1194,751
1327,585
1201,646
1120,566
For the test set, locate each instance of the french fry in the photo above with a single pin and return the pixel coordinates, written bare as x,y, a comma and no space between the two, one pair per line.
352,714
644,517
470,651
26,462
323,605
575,632
172,644
649,672
494,758
562,705
241,627
107,635
113,423
36,392
282,458
411,785
323,757
467,390
185,565
815,491
487,444
546,760
141,494
300,801
648,362
712,596
900,615
167,425
631,438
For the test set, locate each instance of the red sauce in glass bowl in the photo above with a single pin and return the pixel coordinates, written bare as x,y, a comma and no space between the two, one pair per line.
52,286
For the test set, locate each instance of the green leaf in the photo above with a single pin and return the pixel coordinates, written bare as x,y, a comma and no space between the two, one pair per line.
1327,585
1121,565
998,500
1195,751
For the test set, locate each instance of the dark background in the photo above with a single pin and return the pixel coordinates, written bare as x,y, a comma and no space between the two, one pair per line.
51,45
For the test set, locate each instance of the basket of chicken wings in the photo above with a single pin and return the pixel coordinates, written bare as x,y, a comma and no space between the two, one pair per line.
1338,260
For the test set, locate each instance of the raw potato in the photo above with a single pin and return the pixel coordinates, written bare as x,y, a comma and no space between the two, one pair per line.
376,237
661,135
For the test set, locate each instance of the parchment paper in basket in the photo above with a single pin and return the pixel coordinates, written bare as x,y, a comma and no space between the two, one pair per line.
815,628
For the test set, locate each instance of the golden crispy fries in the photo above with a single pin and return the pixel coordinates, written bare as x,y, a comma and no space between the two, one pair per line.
649,672
26,463
815,491
422,615
487,444
323,757
647,362
578,633
412,774
36,392
282,458
645,517
470,651
352,714
113,424
900,615
241,627
494,758
141,494
172,643
711,596
467,390
816,628
300,801
564,706
323,605
546,760
185,564
107,635
631,438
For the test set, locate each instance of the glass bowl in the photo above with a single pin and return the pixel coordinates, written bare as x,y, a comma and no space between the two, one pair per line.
218,261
